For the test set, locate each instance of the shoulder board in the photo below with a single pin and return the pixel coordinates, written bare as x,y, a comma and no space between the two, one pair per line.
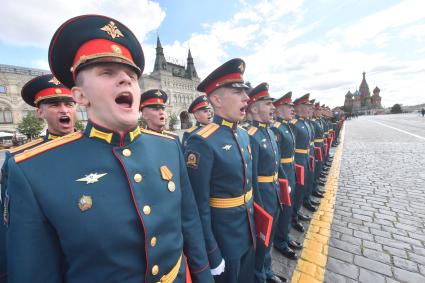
277,124
47,146
169,132
191,129
149,132
27,145
293,121
252,131
208,130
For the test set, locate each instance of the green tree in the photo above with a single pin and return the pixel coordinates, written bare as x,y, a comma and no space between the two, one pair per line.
79,126
30,126
142,122
396,109
173,121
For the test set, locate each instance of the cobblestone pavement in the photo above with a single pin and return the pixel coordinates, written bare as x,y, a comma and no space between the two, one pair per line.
378,222
378,230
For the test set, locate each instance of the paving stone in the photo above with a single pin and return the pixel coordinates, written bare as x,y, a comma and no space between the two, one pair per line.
343,230
417,258
340,254
367,276
342,268
332,277
405,264
372,245
393,243
408,240
395,251
377,255
373,265
419,251
357,227
408,276
381,233
350,239
363,235
393,230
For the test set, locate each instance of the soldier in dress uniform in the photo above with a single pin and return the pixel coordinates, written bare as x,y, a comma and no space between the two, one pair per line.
55,105
302,152
266,171
219,163
111,204
201,110
318,149
285,137
309,203
152,106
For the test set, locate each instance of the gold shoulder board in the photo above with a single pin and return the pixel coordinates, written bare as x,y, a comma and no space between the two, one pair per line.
252,131
208,130
277,124
27,145
149,132
191,129
47,146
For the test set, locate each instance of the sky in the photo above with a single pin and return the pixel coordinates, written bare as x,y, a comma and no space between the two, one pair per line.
321,46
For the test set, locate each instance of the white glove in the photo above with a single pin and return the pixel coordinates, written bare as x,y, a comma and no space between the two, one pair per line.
289,189
219,269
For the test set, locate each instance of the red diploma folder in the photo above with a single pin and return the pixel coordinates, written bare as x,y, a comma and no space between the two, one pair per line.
285,196
318,153
263,223
299,172
311,163
326,148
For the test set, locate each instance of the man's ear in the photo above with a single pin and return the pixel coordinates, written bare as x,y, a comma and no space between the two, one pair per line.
79,96
216,100
39,112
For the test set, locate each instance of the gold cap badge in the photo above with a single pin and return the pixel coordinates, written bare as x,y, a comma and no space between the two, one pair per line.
112,30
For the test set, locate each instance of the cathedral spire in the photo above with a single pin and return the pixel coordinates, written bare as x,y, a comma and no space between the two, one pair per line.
190,67
160,62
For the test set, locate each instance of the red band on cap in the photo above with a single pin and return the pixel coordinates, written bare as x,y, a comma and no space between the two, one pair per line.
199,105
51,92
263,93
302,101
283,101
100,48
229,78
152,101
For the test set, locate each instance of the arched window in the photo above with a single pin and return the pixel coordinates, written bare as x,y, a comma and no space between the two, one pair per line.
82,114
5,115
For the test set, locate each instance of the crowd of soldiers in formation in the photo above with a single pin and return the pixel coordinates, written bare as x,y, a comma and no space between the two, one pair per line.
120,203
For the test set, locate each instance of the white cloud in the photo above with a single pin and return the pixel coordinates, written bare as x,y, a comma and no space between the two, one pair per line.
368,28
31,23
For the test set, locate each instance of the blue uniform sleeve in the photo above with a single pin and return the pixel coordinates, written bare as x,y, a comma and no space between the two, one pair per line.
4,175
279,141
199,161
194,244
33,249
255,151
184,139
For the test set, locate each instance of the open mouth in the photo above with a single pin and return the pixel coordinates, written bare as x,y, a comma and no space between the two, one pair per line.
124,100
64,120
162,119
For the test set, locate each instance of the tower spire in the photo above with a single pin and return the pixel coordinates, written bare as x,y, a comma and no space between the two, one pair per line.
160,62
190,68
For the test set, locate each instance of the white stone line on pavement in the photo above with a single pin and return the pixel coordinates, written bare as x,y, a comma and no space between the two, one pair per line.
400,130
